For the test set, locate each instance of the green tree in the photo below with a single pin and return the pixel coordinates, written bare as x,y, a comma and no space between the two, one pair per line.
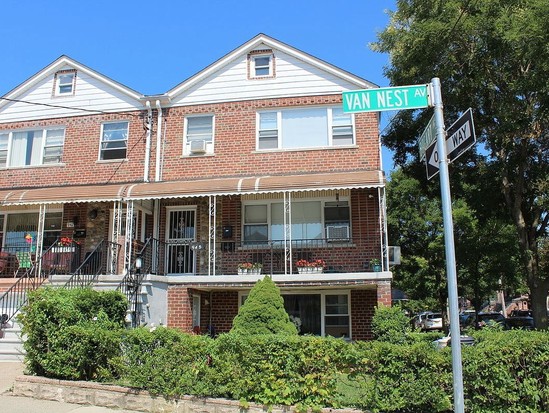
493,57
263,312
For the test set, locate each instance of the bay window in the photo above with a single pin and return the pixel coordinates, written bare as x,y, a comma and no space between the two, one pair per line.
314,127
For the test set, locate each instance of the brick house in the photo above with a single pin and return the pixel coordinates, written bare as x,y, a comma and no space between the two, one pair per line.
251,160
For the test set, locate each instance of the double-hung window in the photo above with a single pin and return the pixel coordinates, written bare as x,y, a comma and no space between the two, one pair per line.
31,147
310,220
314,127
199,135
64,83
261,64
114,141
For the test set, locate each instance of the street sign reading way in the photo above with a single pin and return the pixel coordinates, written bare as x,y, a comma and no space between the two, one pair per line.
459,137
386,98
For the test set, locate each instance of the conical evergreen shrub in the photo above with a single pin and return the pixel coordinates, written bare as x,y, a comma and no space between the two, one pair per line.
263,312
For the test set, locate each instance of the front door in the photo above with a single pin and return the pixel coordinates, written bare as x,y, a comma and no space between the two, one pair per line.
180,233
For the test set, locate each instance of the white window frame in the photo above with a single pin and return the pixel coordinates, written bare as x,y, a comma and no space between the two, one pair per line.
242,295
59,87
186,142
254,66
280,129
51,210
196,310
101,141
8,148
269,202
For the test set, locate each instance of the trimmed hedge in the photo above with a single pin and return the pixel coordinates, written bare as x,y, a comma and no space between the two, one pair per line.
79,335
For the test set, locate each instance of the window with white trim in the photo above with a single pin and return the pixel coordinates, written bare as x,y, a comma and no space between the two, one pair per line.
325,314
311,220
64,83
314,127
31,147
114,141
261,65
199,135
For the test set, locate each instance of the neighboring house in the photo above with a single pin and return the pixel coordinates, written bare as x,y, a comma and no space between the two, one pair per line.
250,160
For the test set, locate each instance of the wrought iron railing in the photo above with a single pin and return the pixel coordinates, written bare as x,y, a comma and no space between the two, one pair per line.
29,279
97,262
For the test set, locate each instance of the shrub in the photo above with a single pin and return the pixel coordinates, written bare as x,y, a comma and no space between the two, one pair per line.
52,317
391,325
263,312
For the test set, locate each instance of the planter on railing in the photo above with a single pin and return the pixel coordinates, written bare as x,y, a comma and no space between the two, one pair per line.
63,249
310,270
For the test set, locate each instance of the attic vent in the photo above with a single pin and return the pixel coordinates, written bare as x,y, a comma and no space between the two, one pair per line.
198,146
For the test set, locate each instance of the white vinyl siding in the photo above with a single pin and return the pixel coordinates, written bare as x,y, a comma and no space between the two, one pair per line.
114,141
31,147
304,128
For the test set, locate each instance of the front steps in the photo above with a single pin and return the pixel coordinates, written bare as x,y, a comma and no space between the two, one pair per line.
11,343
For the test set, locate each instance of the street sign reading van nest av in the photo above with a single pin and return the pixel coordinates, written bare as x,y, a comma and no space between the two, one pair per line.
386,98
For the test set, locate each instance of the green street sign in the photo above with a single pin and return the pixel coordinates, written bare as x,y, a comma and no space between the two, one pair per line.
386,98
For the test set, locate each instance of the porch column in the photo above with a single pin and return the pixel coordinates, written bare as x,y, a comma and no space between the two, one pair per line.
116,230
383,229
128,239
212,219
40,237
287,233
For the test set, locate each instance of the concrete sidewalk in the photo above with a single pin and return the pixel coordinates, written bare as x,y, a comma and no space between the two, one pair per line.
12,404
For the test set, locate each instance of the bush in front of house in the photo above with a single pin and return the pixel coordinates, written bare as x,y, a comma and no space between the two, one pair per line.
263,312
71,334
391,325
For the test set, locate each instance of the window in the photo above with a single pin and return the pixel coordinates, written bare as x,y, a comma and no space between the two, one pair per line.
64,83
304,128
261,64
198,135
311,220
325,314
20,224
31,147
114,141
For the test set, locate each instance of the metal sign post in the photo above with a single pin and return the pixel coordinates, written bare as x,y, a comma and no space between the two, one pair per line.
449,248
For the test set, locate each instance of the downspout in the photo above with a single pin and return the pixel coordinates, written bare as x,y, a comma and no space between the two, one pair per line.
148,142
158,142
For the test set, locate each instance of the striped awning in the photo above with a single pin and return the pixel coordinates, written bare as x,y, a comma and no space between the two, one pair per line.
193,188
63,194
256,185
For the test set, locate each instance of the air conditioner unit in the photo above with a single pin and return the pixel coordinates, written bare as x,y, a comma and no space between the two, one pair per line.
198,146
394,255
337,233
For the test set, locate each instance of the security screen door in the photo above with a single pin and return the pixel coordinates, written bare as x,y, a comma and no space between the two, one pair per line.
181,230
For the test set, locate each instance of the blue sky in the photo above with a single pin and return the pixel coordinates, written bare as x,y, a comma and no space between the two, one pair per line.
152,46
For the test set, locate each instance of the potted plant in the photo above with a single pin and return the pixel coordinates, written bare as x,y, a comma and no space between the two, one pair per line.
310,267
256,268
302,266
375,263
318,266
244,268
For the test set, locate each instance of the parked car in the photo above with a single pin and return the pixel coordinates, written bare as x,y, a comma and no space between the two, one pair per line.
520,319
432,321
467,319
484,319
417,321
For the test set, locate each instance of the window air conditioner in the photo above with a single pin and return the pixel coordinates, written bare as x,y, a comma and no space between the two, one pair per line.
337,233
198,146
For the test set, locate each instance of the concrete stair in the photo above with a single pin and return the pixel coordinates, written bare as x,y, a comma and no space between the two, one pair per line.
11,343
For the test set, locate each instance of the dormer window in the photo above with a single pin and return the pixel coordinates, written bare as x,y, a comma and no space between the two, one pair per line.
64,82
261,64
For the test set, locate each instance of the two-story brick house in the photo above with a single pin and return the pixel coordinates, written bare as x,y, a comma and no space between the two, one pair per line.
250,160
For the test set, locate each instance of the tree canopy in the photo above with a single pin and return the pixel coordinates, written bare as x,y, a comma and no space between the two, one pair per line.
492,57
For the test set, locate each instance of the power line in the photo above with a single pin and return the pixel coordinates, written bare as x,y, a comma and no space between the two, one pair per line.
66,107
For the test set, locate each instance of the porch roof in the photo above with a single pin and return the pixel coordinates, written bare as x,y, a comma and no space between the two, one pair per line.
255,184
62,194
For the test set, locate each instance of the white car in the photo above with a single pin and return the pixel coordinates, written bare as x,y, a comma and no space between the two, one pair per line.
417,321
432,322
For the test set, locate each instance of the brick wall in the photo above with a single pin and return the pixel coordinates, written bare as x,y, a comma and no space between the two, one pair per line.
180,313
363,304
235,140
80,163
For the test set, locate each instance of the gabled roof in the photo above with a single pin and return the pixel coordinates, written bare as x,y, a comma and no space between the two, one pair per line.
57,65
276,45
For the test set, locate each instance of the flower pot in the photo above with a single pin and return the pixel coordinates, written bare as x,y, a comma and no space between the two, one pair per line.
243,271
376,267
63,249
